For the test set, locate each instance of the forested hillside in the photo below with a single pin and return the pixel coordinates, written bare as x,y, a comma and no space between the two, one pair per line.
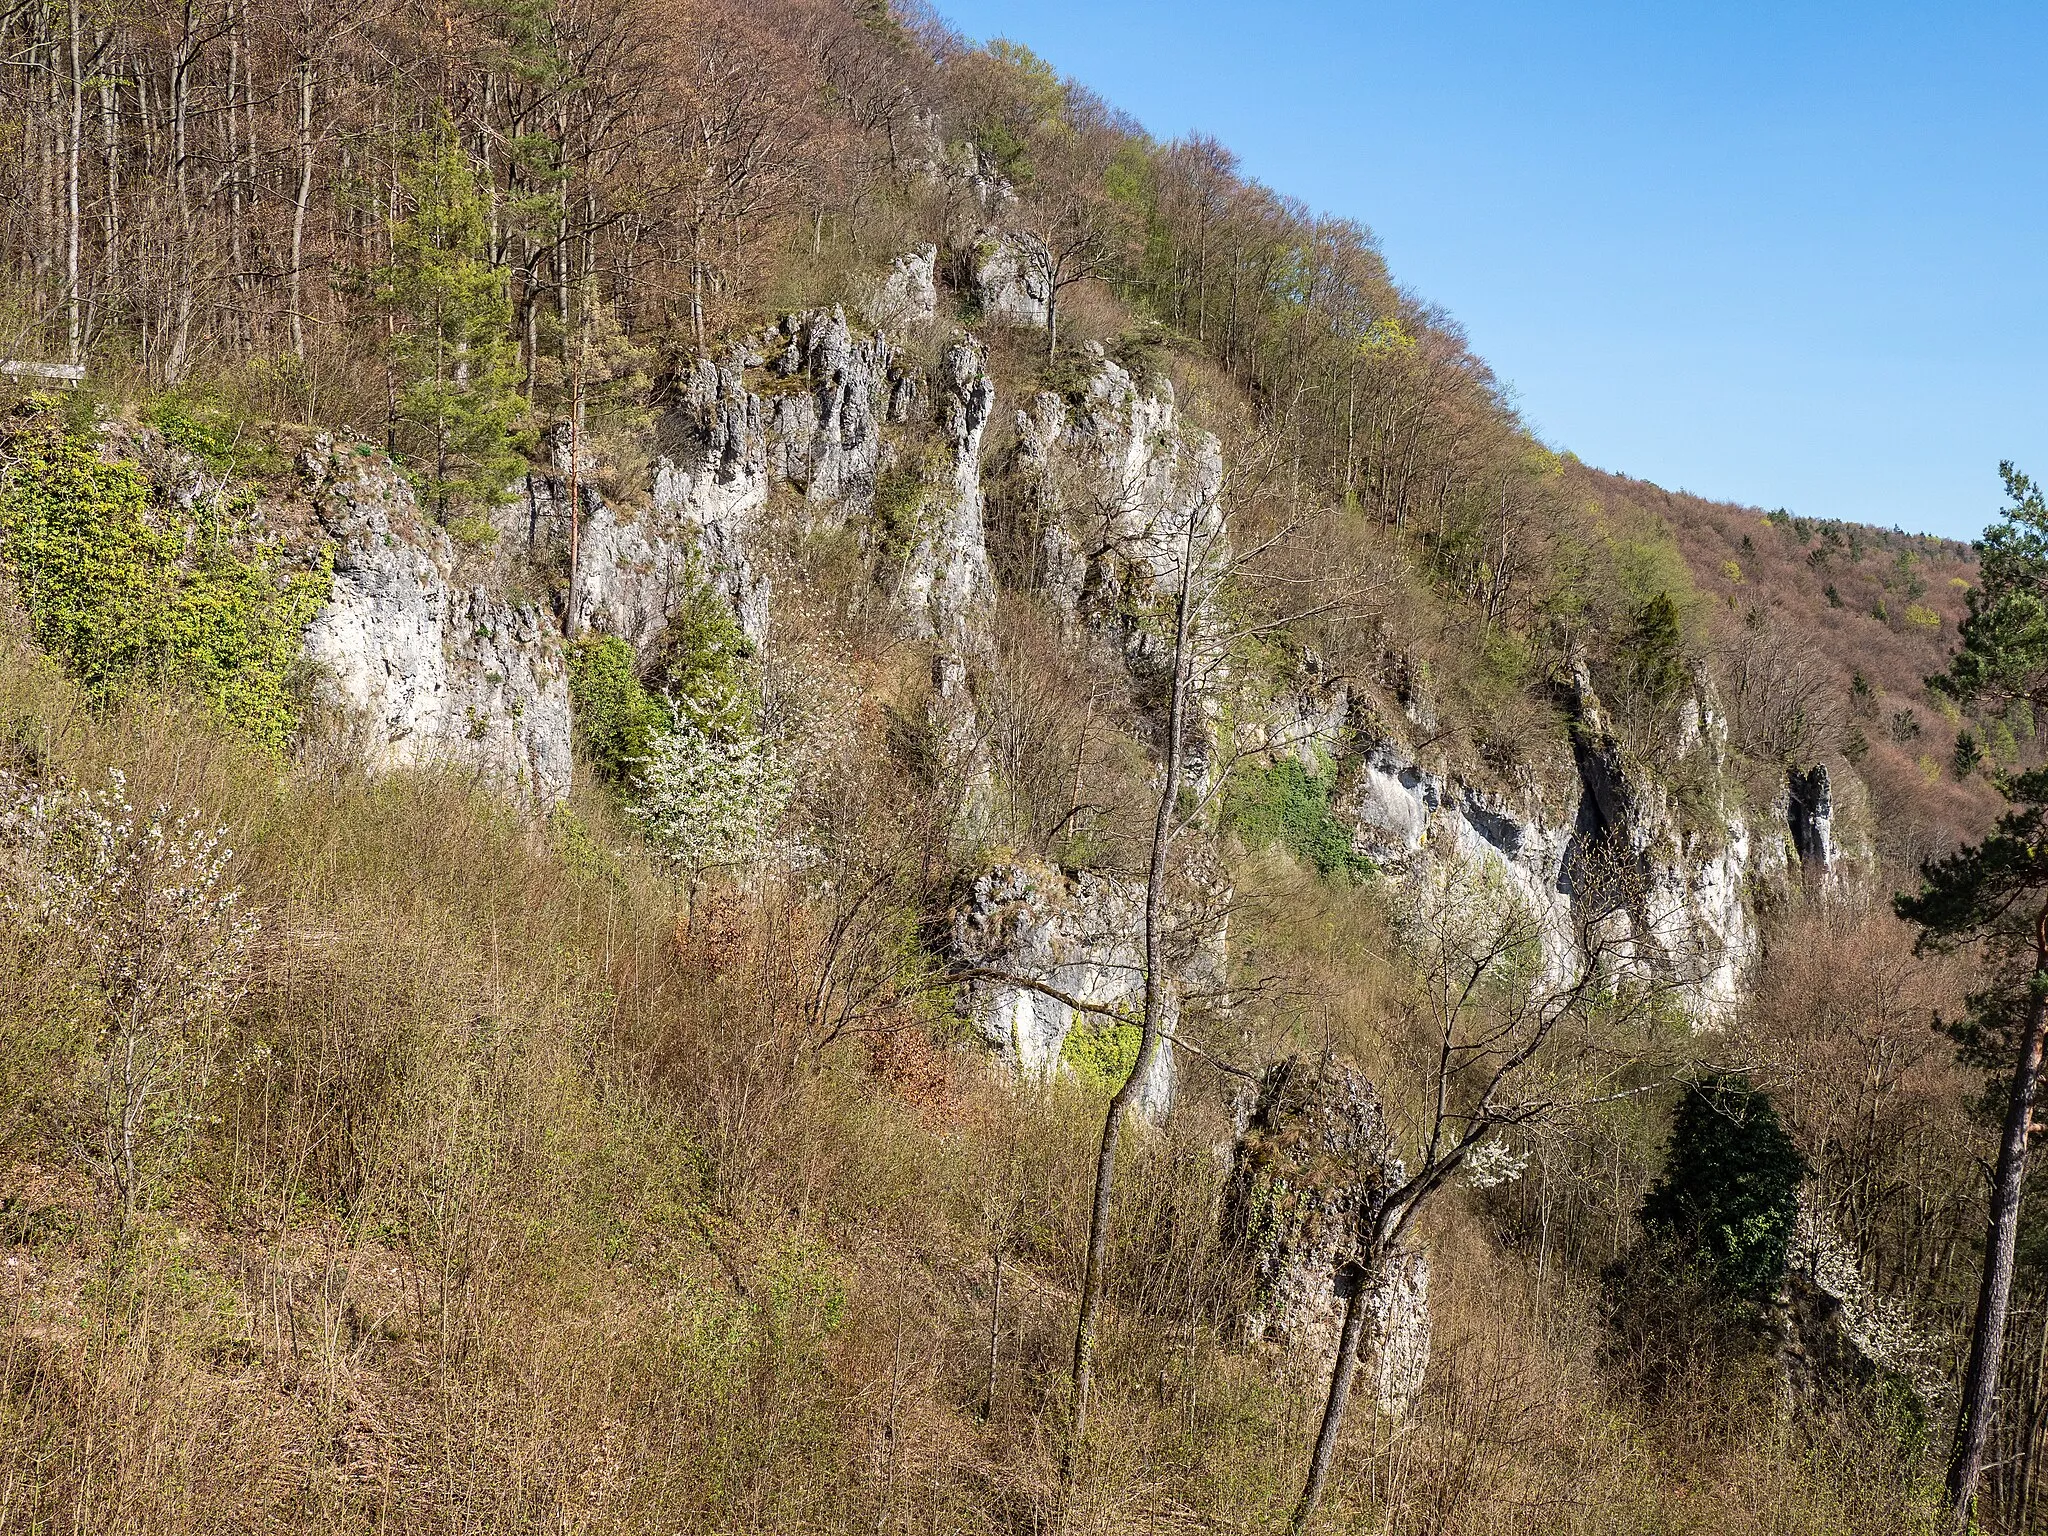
755,779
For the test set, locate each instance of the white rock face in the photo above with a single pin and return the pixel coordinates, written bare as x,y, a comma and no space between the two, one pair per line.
1404,814
1126,479
633,569
908,293
825,437
1008,283
948,586
436,673
1081,934
1689,915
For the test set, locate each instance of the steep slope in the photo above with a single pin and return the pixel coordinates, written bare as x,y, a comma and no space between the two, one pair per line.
1838,625
849,590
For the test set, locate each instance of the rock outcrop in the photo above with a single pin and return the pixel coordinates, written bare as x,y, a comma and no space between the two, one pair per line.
1080,934
907,295
1005,278
1810,817
1684,894
432,670
1312,1169
1129,488
947,585
824,430
634,566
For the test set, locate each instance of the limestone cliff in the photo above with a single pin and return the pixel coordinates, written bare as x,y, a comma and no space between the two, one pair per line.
430,668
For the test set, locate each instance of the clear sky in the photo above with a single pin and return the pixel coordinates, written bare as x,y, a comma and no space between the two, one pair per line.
1789,254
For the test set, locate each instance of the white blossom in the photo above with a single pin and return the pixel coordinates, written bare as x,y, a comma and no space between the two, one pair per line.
1882,1329
141,909
1493,1163
708,799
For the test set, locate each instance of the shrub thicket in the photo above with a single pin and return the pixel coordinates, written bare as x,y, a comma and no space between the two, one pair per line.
124,592
1288,805
617,719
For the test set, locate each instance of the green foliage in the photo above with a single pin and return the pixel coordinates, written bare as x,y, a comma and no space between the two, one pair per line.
122,596
616,717
1991,888
459,411
2004,650
1101,1052
1287,804
1729,1190
195,425
704,663
901,492
1969,757
1022,94
1654,662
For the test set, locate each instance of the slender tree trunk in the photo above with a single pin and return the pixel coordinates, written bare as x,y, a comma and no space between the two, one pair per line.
569,614
1333,1408
1148,1044
300,204
75,327
1994,1296
112,190
995,1337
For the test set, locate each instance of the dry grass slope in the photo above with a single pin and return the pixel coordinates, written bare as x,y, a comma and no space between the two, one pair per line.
516,1207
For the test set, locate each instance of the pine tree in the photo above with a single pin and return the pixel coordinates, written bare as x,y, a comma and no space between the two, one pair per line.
1730,1188
456,401
1994,895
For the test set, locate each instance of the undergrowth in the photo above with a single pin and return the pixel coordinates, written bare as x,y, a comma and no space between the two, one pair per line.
126,590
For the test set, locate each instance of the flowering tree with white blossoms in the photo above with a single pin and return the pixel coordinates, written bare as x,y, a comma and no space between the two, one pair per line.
707,797
151,946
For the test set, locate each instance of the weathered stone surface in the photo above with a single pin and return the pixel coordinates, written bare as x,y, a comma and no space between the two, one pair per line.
1312,1170
1687,892
825,436
908,293
1131,485
434,672
1082,934
947,586
1005,280
1810,817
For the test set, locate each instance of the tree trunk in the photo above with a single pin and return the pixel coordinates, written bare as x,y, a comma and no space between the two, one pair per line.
300,203
1994,1296
569,613
1333,1408
1148,1043
995,1338
75,328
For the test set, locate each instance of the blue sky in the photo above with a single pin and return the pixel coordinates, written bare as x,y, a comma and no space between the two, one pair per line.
1786,254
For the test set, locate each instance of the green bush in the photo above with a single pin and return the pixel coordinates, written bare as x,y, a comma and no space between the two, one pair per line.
123,594
1655,667
1101,1052
1728,1195
705,664
1287,804
900,496
617,719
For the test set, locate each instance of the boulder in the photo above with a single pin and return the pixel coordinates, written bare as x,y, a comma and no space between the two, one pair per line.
1312,1168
